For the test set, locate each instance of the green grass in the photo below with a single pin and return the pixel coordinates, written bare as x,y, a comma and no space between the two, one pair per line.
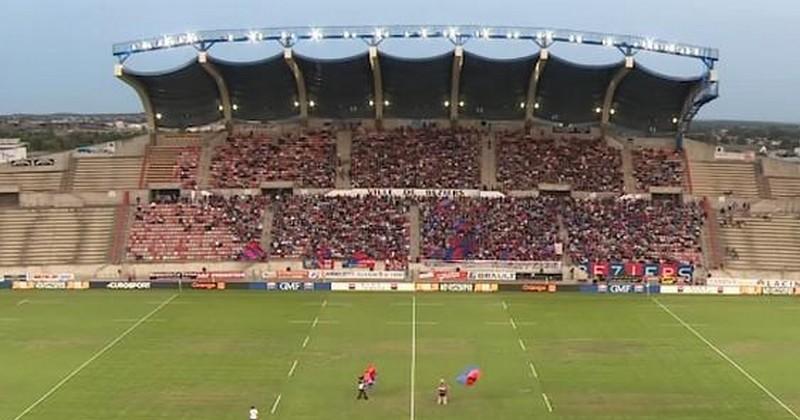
210,355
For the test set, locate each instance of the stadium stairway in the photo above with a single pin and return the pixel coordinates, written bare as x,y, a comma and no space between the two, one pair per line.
763,243
161,163
204,167
32,180
107,173
414,239
55,236
344,147
784,187
266,233
628,178
489,160
724,178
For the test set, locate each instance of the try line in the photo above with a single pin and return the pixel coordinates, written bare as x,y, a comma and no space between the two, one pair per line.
102,351
728,359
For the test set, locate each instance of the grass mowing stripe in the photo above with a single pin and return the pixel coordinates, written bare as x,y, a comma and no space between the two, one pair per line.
727,358
413,351
94,357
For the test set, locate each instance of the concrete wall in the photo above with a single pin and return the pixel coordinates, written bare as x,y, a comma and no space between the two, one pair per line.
82,199
775,167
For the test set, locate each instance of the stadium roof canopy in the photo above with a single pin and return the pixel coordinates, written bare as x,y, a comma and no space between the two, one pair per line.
458,84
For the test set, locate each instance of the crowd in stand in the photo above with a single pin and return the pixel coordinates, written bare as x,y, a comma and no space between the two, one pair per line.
490,229
309,159
341,228
622,229
212,227
586,165
186,167
416,158
658,168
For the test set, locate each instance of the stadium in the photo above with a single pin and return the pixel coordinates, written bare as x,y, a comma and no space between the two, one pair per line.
541,235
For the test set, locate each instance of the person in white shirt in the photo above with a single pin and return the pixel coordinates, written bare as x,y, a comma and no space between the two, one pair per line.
253,413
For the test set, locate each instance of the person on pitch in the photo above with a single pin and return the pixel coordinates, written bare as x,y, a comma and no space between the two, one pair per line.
362,389
253,413
441,393
371,375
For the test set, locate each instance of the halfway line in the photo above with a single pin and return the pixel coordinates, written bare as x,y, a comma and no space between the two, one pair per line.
95,357
413,351
728,359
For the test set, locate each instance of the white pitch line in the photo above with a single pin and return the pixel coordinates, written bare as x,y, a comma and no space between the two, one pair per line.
513,324
275,404
22,302
547,402
413,352
94,357
728,359
314,324
522,345
294,366
305,342
533,370
505,306
325,303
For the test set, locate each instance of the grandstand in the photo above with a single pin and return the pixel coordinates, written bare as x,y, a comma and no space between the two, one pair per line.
374,172
406,162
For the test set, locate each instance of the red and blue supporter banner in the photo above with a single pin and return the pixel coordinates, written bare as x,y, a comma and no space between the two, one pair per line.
600,269
667,270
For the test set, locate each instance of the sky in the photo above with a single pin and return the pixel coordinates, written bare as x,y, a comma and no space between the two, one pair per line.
56,54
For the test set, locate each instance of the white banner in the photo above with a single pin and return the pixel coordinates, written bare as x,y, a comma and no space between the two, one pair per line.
51,276
356,275
737,281
721,154
492,275
409,192
372,287
546,267
700,290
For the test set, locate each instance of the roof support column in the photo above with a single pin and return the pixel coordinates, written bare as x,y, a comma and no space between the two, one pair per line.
222,88
144,97
611,90
302,97
377,84
704,92
533,85
455,80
